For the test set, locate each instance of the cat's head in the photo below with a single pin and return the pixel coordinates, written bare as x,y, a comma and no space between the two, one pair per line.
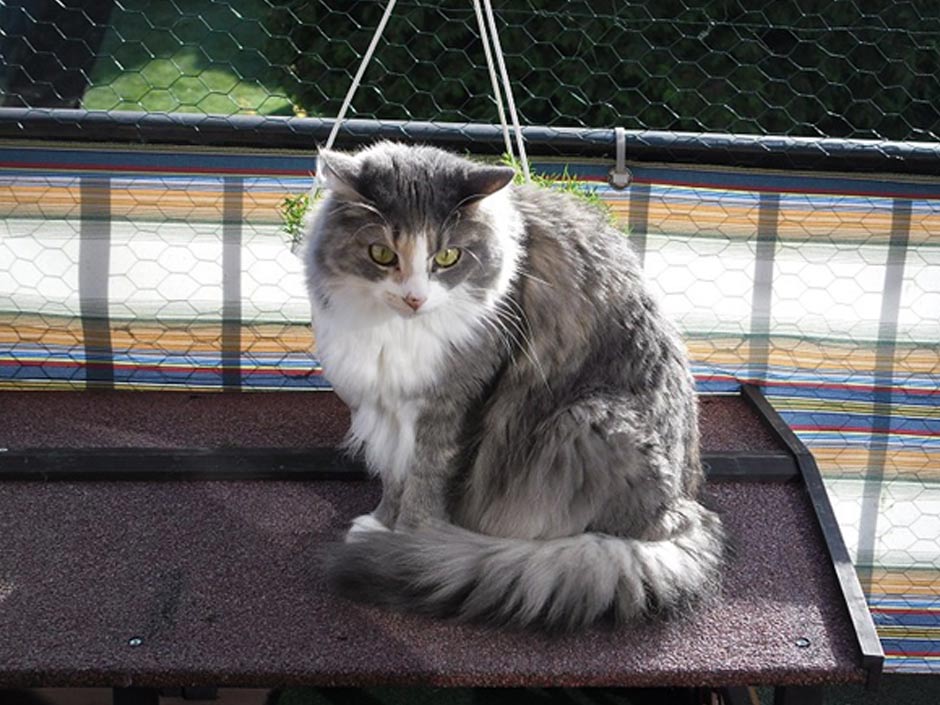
411,229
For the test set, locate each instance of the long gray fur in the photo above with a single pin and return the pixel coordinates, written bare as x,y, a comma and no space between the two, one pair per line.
556,472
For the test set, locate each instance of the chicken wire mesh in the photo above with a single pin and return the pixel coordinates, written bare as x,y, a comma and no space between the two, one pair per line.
146,268
784,67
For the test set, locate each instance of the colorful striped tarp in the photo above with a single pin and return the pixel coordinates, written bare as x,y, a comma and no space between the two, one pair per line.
168,269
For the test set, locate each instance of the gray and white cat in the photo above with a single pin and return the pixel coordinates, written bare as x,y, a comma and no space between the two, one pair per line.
529,410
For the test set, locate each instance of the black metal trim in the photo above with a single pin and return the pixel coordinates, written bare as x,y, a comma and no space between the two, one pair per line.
307,464
277,132
157,464
750,466
870,645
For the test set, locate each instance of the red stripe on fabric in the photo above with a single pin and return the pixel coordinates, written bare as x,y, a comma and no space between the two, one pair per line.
906,610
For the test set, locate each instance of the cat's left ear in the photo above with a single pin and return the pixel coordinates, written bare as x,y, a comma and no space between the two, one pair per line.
485,181
338,172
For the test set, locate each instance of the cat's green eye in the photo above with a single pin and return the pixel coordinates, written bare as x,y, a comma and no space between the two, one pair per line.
447,258
383,255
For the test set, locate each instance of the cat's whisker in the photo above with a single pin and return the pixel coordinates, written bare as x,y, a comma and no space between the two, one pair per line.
513,311
525,330
472,254
498,333
503,333
535,279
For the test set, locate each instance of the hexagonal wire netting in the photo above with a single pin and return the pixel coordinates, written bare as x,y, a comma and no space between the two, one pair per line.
784,67
169,268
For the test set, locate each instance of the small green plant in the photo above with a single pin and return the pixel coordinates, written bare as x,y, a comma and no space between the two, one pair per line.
293,209
566,182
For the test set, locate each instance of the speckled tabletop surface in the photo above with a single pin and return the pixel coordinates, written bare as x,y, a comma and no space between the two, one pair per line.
217,583
281,420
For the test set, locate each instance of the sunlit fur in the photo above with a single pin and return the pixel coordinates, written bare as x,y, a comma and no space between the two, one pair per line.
530,412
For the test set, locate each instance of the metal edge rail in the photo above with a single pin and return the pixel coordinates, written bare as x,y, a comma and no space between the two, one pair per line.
855,602
305,464
279,132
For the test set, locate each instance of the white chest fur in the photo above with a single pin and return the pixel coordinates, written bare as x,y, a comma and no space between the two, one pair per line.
383,365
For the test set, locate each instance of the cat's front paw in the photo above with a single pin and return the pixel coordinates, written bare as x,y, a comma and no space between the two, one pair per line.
362,524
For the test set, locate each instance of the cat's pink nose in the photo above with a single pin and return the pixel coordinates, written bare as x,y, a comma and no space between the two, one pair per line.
415,301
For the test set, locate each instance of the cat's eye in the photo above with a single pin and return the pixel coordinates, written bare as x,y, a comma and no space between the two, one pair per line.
383,255
447,258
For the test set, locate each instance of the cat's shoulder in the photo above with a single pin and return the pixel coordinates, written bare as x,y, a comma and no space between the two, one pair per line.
553,210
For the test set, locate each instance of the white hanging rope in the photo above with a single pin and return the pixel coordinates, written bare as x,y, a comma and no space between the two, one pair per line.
486,37
507,88
494,81
347,101
367,57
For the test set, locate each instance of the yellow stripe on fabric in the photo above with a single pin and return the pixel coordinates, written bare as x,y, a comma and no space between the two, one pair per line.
911,581
152,336
262,338
818,355
43,385
825,222
854,462
716,214
32,329
48,201
863,408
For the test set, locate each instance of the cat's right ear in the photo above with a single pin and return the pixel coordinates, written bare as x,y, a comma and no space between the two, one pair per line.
338,172
485,181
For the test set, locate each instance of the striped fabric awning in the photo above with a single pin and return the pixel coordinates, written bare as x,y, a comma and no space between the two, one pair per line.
169,269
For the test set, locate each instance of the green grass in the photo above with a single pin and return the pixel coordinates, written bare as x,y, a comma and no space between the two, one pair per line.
293,209
199,56
567,183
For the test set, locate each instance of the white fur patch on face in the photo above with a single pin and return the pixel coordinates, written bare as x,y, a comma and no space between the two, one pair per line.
412,281
416,269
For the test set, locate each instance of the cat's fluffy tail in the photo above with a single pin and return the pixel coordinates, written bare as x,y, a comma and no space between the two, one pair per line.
564,583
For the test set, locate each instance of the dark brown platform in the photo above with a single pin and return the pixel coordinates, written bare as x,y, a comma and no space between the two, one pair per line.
185,581
161,435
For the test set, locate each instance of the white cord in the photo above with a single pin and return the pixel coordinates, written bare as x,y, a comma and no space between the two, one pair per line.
347,101
367,57
507,88
484,36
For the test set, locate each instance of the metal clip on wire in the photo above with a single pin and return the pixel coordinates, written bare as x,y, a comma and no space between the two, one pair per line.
619,176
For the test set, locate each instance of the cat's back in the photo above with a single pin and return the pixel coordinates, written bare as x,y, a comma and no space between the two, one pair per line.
576,240
597,324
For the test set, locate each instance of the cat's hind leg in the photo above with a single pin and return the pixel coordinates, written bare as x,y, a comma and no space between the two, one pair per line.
594,465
